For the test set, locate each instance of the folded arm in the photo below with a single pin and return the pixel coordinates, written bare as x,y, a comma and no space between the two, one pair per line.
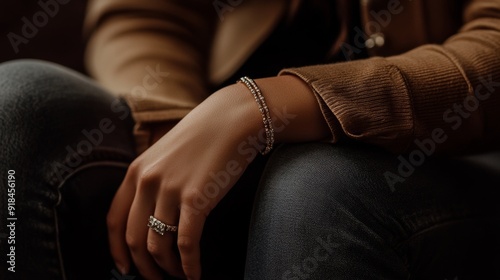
392,101
152,48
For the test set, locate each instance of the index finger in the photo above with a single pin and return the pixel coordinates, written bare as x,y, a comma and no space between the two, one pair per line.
188,241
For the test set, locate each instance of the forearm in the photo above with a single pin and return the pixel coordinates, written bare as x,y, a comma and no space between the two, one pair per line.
393,101
145,52
295,110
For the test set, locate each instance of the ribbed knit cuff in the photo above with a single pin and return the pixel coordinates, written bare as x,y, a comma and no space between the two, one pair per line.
364,100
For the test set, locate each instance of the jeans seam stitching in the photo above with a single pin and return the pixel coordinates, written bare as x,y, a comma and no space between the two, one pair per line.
59,187
108,154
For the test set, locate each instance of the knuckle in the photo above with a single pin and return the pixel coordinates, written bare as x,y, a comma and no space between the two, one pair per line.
190,196
154,249
195,198
185,244
131,241
134,168
147,178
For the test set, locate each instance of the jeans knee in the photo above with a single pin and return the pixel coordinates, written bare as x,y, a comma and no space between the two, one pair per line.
28,76
316,182
29,85
26,71
35,92
46,108
298,182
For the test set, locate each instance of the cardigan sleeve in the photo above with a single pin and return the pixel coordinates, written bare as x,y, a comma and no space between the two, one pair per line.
448,93
151,48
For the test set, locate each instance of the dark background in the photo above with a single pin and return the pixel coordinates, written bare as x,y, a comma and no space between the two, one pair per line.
60,40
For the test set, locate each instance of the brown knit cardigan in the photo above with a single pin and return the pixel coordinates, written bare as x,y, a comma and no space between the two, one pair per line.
433,74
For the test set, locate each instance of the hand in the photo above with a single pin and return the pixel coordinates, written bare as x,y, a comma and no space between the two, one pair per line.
174,181
182,177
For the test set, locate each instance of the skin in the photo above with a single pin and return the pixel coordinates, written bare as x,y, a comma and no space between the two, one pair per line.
171,180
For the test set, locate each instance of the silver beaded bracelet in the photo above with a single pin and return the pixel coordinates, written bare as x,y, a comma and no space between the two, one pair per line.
264,110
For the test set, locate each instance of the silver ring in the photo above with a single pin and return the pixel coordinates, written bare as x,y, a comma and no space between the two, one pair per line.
159,226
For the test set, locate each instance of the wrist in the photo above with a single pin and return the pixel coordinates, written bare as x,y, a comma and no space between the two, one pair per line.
242,111
264,111
294,108
231,113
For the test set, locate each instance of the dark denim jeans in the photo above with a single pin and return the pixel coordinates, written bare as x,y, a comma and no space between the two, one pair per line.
69,151
320,211
70,143
327,212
